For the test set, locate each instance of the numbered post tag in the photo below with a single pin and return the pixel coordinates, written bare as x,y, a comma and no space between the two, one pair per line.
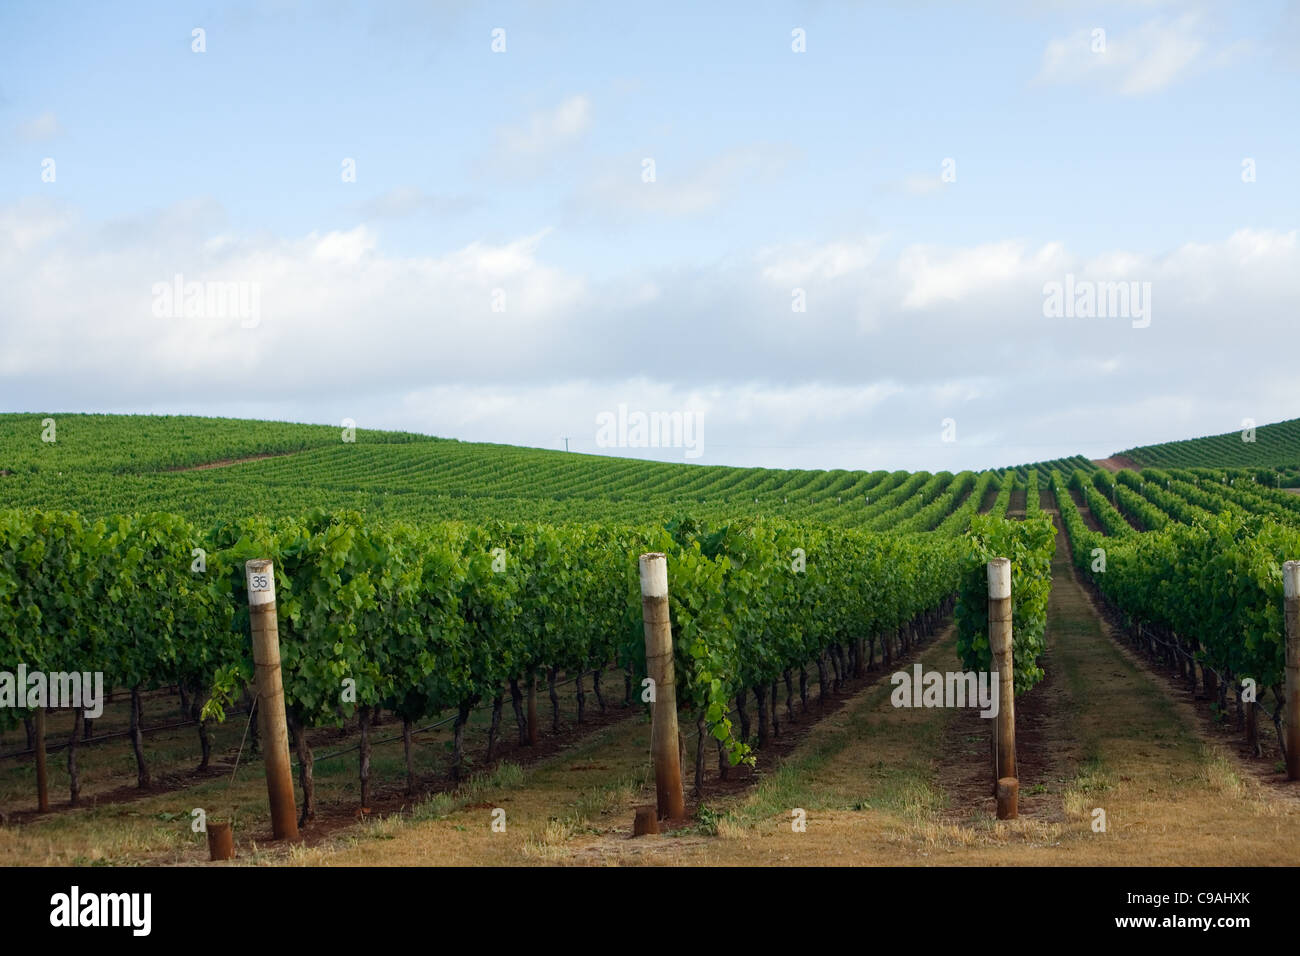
261,582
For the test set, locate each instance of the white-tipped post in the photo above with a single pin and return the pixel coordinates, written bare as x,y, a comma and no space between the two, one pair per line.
1004,729
260,575
1291,607
654,575
1000,578
671,800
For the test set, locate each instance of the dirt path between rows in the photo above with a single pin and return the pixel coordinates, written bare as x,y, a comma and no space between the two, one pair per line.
1046,752
1081,505
1116,462
227,462
1099,741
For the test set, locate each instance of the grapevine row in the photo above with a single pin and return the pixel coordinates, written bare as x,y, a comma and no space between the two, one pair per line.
421,620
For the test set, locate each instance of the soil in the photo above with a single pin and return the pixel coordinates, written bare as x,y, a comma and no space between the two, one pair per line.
1046,750
1195,707
388,797
129,793
226,462
793,733
1043,749
1133,521
1116,462
1084,511
990,496
1198,708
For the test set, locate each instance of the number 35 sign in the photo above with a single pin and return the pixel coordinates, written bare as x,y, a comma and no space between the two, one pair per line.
261,582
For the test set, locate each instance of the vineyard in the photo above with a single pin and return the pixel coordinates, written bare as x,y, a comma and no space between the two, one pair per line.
104,465
1274,448
537,437
436,587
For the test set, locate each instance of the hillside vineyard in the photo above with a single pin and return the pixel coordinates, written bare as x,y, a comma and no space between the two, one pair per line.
421,576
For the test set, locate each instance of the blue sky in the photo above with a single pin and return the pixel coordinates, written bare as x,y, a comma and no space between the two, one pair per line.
522,171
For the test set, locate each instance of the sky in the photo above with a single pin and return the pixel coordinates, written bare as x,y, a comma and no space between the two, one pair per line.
824,234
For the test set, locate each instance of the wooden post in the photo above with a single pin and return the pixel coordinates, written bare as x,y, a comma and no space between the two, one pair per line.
993,747
999,575
1291,595
42,777
1008,795
221,842
645,822
533,731
671,801
1252,728
270,698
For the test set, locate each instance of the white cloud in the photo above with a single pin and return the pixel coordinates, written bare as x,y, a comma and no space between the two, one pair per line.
342,248
29,223
41,128
348,328
529,149
935,274
744,421
547,130
1139,61
403,201
919,185
787,265
619,190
